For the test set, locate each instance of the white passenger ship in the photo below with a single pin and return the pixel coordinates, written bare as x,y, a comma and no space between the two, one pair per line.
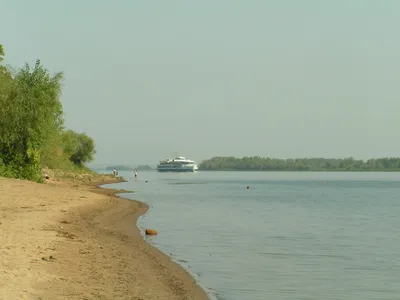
177,164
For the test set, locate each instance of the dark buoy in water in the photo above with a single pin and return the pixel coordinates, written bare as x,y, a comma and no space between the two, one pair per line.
146,181
248,187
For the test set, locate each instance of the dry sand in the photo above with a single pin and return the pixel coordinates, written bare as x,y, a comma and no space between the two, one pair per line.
72,240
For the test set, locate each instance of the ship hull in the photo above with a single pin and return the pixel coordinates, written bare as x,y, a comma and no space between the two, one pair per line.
176,170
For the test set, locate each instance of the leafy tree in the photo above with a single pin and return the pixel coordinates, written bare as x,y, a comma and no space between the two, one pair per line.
31,125
69,141
78,147
30,115
1,53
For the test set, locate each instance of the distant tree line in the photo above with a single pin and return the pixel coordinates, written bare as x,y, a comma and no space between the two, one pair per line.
32,135
144,168
257,163
128,168
120,168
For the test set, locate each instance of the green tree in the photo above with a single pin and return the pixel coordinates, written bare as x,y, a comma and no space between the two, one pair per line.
30,115
1,53
31,125
78,147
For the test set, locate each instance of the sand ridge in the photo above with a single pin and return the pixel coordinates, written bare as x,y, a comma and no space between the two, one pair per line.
72,240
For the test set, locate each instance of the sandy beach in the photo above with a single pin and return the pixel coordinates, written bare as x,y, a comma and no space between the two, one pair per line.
69,239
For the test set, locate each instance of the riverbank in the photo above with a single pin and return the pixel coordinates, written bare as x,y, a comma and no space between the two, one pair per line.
70,239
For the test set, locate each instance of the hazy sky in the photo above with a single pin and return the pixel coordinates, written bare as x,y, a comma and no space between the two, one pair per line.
204,78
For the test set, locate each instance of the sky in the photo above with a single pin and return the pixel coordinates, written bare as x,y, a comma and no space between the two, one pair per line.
149,79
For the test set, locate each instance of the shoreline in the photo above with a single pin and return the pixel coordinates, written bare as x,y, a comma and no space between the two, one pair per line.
73,239
143,209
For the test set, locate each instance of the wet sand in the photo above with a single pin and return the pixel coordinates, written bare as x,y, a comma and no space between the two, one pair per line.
69,239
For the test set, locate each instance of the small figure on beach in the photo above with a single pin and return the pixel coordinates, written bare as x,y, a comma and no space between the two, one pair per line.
136,175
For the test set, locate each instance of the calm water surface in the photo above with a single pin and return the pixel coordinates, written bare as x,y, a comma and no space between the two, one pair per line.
290,236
